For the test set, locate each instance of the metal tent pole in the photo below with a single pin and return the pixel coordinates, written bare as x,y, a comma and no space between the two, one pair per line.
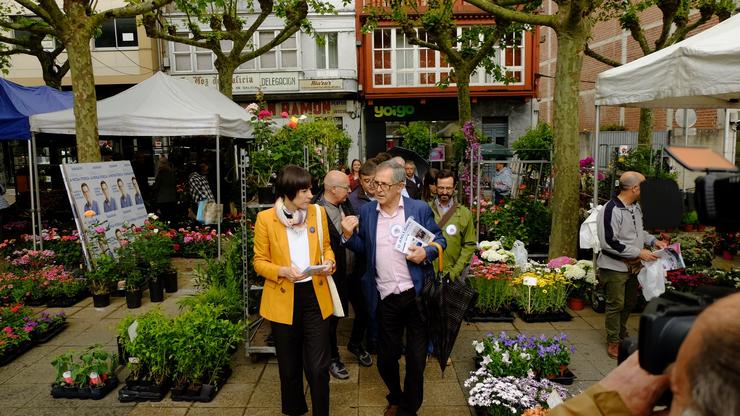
37,193
31,193
596,158
218,191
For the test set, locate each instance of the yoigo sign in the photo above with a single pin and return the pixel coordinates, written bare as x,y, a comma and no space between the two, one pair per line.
399,111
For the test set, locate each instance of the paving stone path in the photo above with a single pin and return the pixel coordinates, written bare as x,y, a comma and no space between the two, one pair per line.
254,388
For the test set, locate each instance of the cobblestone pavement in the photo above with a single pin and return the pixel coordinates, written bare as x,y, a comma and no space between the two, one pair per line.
254,388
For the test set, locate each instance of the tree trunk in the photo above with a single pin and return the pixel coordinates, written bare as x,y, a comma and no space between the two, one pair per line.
226,70
565,201
645,136
85,100
464,108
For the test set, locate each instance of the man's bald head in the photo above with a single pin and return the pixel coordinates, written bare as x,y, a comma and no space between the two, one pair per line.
335,178
629,186
706,376
630,179
336,187
399,160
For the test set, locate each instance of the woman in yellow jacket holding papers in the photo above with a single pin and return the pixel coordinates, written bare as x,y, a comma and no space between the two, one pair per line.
298,303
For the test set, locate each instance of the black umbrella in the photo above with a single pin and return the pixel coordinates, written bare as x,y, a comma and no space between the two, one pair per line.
421,164
444,302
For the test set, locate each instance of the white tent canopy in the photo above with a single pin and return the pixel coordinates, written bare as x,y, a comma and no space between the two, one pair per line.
702,71
159,106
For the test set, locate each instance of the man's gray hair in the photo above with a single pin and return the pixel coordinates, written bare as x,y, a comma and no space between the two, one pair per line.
399,173
714,372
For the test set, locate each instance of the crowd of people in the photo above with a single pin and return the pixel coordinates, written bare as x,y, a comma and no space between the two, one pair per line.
361,214
350,229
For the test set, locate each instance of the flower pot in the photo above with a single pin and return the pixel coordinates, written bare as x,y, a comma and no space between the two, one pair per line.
170,281
156,290
133,298
101,300
265,195
576,304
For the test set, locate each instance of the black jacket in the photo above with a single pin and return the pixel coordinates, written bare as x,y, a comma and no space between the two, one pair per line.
336,237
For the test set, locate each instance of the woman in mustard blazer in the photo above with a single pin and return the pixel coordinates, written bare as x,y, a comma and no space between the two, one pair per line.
286,242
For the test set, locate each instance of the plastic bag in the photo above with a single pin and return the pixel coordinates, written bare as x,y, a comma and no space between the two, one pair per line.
588,234
652,279
520,254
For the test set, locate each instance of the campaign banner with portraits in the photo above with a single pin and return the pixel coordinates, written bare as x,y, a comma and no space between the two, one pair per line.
105,199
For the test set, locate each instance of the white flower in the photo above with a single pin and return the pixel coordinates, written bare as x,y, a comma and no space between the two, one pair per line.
496,347
479,347
253,108
153,217
155,231
486,360
505,357
302,117
574,272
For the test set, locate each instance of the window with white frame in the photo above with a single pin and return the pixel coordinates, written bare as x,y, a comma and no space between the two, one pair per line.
281,56
398,63
119,32
188,58
327,51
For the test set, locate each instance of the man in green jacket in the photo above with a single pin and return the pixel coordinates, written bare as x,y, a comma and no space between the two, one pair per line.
456,222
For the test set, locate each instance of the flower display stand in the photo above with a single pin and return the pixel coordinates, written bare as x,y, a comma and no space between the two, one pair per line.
557,316
67,301
50,333
476,315
11,354
205,393
143,391
566,377
87,392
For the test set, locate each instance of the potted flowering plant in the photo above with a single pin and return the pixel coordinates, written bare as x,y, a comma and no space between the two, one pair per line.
541,294
102,278
153,250
580,273
88,374
62,288
490,276
521,355
506,396
127,266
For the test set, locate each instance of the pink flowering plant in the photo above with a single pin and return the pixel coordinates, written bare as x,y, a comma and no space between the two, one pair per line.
60,283
31,259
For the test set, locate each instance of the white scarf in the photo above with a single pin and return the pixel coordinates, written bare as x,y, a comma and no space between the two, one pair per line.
299,216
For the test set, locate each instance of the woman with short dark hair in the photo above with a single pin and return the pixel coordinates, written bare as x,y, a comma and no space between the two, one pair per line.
297,303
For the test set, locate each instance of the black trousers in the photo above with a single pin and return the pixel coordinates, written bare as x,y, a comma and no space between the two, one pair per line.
350,293
397,313
303,346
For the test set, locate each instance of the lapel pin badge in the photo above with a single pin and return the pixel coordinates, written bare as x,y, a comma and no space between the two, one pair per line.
312,229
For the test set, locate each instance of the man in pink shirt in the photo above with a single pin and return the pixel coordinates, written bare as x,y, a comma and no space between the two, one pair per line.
397,279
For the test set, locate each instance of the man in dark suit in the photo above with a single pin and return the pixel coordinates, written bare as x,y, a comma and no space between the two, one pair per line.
413,181
334,201
398,278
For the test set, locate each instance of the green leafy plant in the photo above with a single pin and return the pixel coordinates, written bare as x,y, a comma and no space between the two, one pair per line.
417,136
103,276
202,343
536,143
525,218
80,364
690,218
128,268
151,347
644,160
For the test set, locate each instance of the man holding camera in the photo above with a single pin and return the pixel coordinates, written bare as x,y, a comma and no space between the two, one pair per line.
704,379
624,243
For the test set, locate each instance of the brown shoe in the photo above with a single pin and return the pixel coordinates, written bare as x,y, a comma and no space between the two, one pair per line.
612,350
391,410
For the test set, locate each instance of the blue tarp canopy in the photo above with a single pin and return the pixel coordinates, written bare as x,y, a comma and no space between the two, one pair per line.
17,103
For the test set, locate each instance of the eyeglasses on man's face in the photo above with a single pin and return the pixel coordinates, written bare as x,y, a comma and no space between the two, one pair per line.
384,186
